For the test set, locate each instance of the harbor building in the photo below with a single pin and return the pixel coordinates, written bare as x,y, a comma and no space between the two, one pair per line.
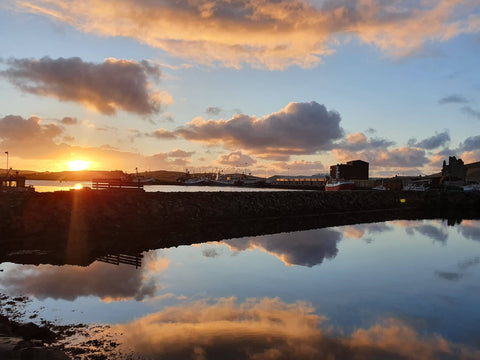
352,170
455,170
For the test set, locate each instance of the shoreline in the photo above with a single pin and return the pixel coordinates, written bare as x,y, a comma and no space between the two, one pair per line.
76,227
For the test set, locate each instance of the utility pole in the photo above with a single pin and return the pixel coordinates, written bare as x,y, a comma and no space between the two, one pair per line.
6,152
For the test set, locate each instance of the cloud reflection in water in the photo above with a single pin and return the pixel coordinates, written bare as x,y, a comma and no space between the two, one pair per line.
106,281
271,329
305,248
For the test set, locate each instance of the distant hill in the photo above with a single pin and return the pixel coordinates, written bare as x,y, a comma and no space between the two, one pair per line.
88,175
163,175
85,175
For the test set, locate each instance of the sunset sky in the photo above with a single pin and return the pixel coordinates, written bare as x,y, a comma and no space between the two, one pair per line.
268,87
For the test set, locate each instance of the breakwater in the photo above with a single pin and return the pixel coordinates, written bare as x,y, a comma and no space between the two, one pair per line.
82,224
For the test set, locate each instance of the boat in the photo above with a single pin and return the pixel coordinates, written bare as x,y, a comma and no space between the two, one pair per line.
336,185
190,180
144,180
471,187
380,187
253,181
224,180
195,181
415,187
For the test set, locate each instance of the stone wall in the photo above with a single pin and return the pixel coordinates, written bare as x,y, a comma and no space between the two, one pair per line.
78,221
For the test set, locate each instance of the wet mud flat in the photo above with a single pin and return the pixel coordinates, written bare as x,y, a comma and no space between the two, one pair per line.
75,227
21,339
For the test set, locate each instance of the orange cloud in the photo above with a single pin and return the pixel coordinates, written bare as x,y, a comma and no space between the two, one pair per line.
357,138
263,33
271,329
354,232
395,337
35,145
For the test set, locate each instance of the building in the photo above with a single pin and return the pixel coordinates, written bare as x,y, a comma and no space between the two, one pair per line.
12,183
352,170
455,170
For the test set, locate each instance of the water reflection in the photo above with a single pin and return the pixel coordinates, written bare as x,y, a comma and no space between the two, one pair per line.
435,233
390,290
306,248
470,229
269,328
105,281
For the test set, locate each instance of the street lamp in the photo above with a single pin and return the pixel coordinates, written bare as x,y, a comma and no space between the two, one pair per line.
6,152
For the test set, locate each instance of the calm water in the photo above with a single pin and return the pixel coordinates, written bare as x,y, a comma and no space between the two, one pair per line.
46,185
408,288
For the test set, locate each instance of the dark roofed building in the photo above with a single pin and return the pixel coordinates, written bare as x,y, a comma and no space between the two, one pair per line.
455,170
352,170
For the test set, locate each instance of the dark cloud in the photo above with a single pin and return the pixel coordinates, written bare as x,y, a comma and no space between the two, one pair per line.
69,121
406,157
29,137
380,143
374,228
433,232
309,248
107,87
471,232
453,99
164,161
213,110
103,280
177,153
16,128
299,128
432,142
470,144
470,262
359,142
471,112
298,167
236,159
210,253
163,134
450,276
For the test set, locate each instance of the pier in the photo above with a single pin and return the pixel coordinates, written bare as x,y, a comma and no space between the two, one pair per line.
116,184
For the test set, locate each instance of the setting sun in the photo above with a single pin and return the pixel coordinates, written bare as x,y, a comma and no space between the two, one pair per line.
78,165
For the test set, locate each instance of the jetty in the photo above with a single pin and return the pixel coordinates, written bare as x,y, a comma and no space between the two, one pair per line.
117,184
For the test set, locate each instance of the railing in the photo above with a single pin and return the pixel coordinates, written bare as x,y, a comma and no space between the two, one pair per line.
122,259
116,184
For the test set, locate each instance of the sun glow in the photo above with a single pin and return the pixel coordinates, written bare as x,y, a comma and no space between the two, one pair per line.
78,165
78,187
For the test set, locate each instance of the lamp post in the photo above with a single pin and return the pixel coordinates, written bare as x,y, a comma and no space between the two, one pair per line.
6,152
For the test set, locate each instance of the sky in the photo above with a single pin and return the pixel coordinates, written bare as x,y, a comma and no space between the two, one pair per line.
262,87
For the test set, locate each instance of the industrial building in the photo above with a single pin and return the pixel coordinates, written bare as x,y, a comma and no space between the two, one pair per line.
352,170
